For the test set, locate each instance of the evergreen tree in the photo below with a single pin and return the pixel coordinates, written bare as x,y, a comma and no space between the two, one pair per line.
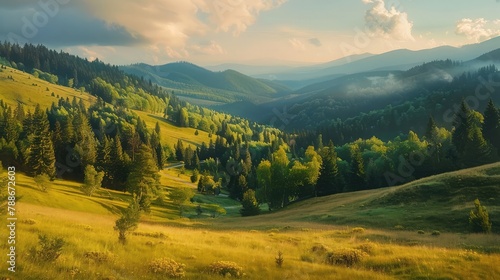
41,158
143,181
462,127
329,178
358,178
250,206
179,150
491,125
479,220
431,131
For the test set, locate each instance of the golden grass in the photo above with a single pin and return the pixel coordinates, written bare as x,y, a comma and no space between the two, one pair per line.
86,224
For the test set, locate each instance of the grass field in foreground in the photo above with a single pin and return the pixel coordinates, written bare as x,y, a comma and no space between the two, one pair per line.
86,225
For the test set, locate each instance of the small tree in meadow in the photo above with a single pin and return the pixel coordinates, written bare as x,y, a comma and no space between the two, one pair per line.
42,181
128,221
479,219
179,196
250,204
92,181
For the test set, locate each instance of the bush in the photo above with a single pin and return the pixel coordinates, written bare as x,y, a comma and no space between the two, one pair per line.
226,269
319,249
421,232
98,257
167,267
347,257
279,259
479,219
399,227
48,249
436,233
366,247
358,230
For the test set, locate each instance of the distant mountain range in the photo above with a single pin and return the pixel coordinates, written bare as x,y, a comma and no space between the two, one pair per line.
306,88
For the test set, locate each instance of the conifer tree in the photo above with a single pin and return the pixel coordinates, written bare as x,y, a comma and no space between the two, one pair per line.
143,181
41,158
329,179
491,125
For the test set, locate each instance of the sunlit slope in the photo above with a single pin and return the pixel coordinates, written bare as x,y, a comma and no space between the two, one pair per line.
440,202
29,91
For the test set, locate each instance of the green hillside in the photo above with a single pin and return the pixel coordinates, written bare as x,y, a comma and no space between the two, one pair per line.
26,89
189,80
441,202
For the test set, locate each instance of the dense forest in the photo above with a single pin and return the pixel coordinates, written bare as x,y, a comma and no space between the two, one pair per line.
253,163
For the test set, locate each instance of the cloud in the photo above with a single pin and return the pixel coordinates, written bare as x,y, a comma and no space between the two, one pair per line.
236,15
388,23
209,48
169,25
297,44
478,29
315,42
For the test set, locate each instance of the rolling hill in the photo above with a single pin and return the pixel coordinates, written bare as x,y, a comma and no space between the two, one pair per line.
20,87
189,80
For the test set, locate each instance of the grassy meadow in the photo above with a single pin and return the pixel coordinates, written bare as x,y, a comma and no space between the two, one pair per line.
322,238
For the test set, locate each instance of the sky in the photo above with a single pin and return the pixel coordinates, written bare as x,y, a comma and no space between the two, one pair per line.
255,32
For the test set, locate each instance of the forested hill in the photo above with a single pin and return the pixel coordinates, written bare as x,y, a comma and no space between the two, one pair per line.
201,84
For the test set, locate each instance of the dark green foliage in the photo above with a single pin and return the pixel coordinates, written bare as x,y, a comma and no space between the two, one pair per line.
41,158
479,220
329,181
357,173
491,126
143,180
250,204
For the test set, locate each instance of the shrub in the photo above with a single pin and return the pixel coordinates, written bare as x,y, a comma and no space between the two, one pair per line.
167,267
319,249
421,232
357,230
98,257
436,233
28,221
399,227
226,269
366,247
479,219
48,249
347,257
279,259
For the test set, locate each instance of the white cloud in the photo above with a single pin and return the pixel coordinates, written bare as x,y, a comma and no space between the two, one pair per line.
478,29
209,48
388,23
169,24
235,15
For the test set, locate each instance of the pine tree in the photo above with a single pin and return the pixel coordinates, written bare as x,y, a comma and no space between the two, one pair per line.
143,181
358,178
462,127
479,219
431,131
329,178
491,126
179,150
41,158
250,206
